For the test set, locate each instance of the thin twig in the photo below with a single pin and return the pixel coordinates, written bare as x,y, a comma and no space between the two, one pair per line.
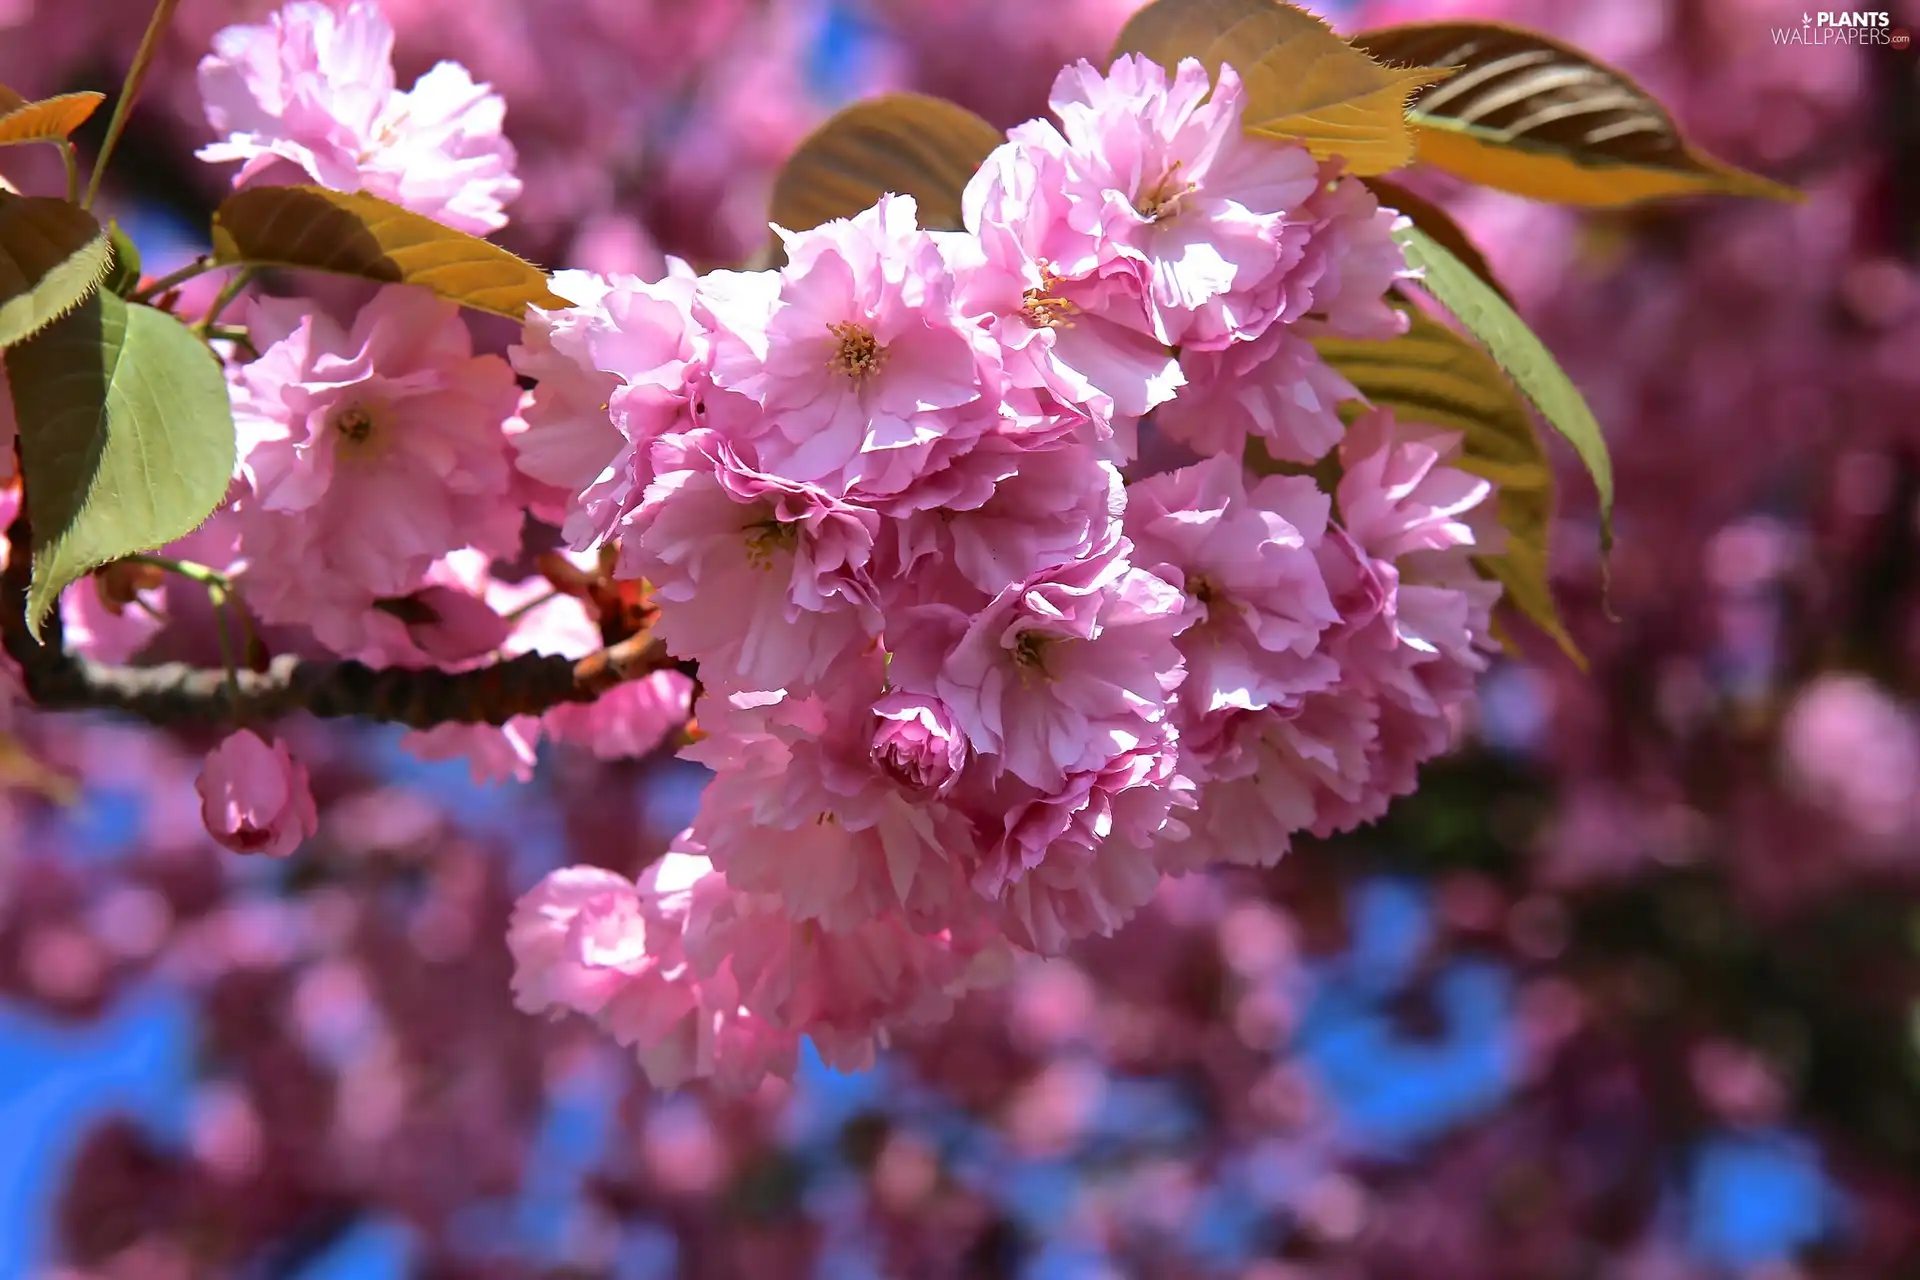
130,92
236,282
198,267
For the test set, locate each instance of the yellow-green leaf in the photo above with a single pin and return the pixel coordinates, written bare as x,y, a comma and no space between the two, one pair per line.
1433,375
1302,81
126,438
123,277
1439,224
1520,352
355,234
52,255
1536,117
48,120
906,143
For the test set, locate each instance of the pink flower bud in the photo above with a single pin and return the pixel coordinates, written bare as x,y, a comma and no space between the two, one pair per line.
255,798
918,742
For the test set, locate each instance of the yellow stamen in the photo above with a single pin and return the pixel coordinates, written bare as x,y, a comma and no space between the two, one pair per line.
858,356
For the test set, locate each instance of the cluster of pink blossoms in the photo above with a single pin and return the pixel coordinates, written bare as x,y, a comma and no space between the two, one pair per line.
995,626
974,681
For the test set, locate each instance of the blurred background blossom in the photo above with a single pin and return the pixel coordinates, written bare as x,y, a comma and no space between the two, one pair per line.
1630,989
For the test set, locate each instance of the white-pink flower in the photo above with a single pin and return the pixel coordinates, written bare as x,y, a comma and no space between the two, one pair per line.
1245,561
808,807
629,720
255,797
313,87
1078,337
368,453
762,580
1161,184
918,742
1063,671
1081,859
861,367
1275,389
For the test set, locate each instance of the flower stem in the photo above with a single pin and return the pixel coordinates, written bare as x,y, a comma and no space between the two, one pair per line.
200,573
238,281
515,615
199,266
130,92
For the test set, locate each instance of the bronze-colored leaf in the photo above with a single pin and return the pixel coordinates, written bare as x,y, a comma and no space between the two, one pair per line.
48,120
355,234
906,143
1528,114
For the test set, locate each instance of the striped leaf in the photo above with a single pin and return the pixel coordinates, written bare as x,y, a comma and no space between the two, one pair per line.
1527,114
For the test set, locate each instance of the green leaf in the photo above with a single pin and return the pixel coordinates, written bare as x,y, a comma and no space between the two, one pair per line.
52,255
905,143
1302,81
1486,315
355,234
1539,118
1439,224
126,438
124,277
1432,375
48,120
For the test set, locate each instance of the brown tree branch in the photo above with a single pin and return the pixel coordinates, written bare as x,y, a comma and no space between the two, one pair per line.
175,693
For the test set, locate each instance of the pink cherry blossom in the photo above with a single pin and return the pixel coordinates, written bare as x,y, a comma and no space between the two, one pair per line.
1275,389
1396,493
1054,332
254,796
566,440
765,579
368,453
616,372
1065,670
1081,860
1044,503
803,809
1352,257
1245,561
1161,184
589,941
313,87
918,742
862,361
577,938
844,987
628,721
494,754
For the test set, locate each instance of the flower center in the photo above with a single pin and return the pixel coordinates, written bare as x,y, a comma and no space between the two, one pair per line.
1030,653
1161,201
354,423
858,356
1041,309
766,539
